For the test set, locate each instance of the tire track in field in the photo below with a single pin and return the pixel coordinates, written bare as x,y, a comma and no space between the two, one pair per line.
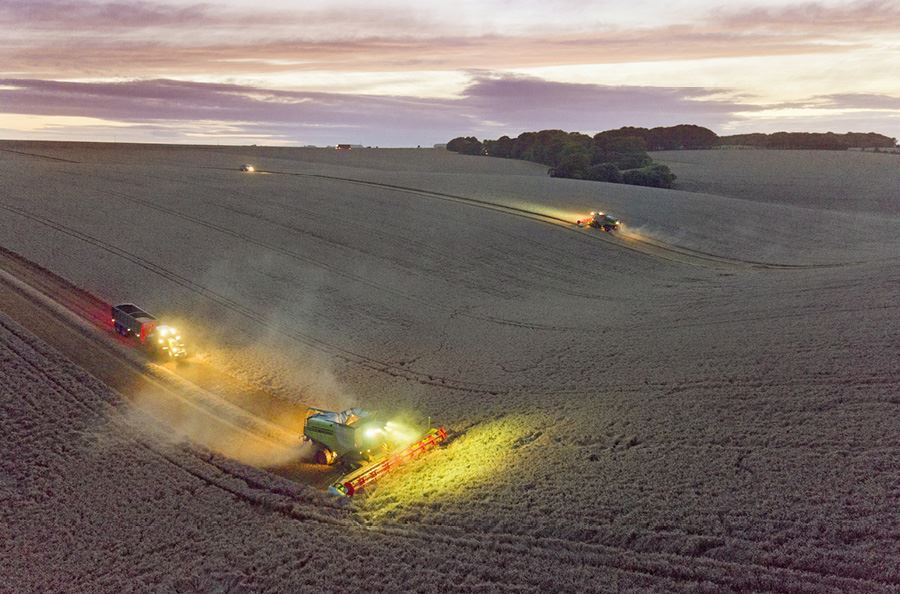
654,248
6,150
474,202
305,339
88,307
536,279
324,266
716,258
666,566
677,567
333,270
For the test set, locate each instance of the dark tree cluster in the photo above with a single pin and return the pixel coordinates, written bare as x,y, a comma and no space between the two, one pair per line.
810,140
468,145
608,156
669,138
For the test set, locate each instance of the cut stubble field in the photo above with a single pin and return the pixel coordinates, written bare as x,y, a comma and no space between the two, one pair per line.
706,401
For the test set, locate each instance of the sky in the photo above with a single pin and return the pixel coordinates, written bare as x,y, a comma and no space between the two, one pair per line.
391,73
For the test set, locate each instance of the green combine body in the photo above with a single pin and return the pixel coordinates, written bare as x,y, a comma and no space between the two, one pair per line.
371,448
353,435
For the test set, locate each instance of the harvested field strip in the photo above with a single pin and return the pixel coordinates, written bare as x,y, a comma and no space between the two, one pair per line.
246,312
48,288
181,392
73,298
209,469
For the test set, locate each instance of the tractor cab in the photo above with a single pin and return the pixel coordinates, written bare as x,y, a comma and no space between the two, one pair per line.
167,341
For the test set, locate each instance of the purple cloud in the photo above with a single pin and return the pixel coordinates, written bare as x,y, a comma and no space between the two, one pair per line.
816,17
95,39
490,106
525,103
859,101
79,14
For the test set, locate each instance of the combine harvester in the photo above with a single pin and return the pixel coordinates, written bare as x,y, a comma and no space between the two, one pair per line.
600,220
359,438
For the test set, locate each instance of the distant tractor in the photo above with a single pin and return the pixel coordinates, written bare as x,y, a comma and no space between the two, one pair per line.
248,168
160,341
600,220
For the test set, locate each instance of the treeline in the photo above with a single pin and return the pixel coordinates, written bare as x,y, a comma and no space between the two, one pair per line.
620,156
810,140
611,156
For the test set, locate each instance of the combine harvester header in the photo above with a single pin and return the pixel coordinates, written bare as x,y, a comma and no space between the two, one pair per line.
357,480
356,436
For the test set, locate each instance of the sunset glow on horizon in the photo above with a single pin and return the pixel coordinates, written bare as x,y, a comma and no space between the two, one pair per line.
404,74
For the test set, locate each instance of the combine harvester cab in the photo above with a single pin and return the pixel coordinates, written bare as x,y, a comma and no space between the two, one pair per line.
160,341
360,439
349,435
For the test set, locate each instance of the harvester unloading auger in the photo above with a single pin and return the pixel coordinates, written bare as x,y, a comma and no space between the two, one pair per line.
359,438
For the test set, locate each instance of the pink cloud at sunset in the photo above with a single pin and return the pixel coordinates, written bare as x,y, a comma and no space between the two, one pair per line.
391,73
